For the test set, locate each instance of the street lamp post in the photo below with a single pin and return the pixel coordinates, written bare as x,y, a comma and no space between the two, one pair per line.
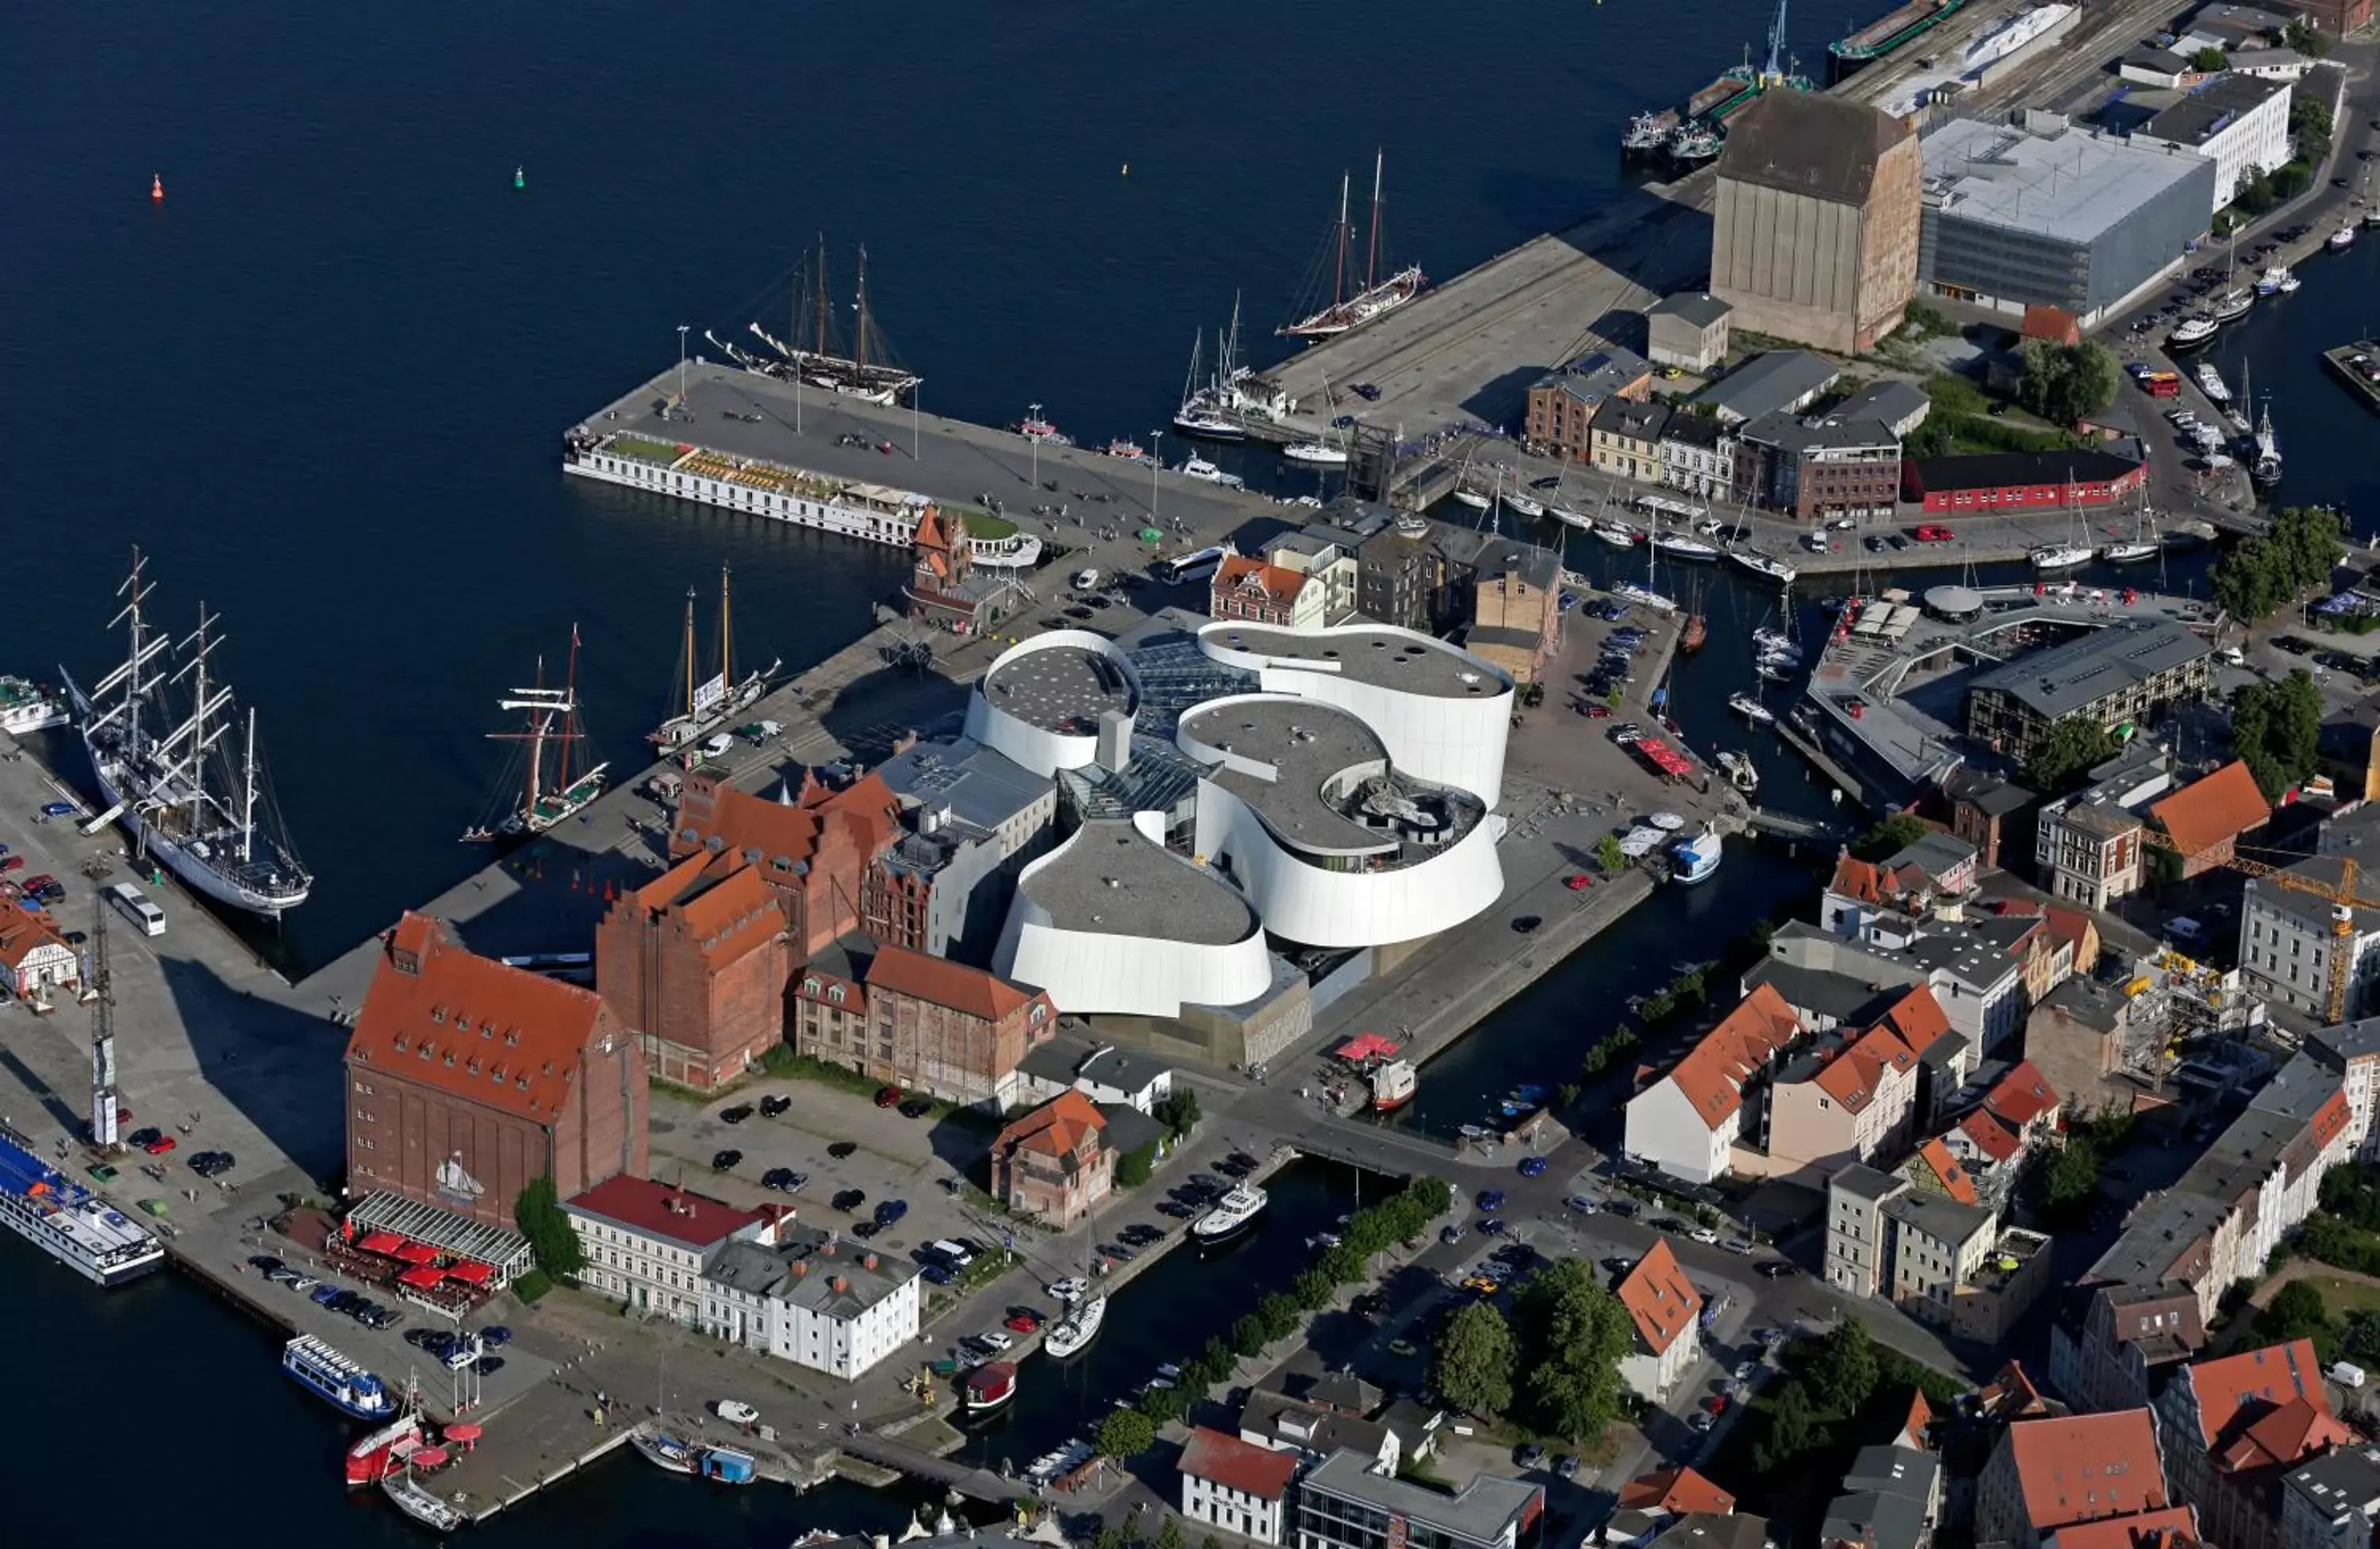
1033,419
1156,462
681,367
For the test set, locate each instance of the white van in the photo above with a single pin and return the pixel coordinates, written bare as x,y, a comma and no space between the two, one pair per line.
718,745
134,905
1085,580
2182,927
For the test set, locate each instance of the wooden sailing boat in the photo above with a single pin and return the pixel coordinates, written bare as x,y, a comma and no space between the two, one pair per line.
1380,294
1697,629
552,719
707,706
814,354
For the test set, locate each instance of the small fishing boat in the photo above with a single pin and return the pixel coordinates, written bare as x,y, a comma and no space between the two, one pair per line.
1393,1085
1127,448
2341,239
1739,771
1318,453
666,1451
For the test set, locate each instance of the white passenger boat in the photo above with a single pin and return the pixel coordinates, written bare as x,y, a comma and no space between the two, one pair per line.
336,1379
68,1221
1695,859
1232,1215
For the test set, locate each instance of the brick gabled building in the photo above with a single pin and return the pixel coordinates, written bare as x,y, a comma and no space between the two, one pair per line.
2234,1426
1054,1162
921,1023
2049,1474
695,964
811,845
468,1080
1667,1311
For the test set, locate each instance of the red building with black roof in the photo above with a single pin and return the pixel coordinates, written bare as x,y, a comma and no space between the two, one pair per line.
2020,481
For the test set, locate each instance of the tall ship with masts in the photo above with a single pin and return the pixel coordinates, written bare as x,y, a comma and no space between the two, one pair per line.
550,720
711,703
815,353
191,793
1379,294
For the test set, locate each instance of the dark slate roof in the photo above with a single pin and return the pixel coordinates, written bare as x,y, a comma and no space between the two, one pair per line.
1770,383
1634,421
1693,306
1806,143
1694,430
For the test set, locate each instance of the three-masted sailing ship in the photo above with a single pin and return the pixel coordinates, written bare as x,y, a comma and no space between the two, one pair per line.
711,704
550,719
192,797
814,355
1379,293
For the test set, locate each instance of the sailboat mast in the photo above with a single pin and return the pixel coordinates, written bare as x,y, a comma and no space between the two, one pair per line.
687,653
726,631
537,720
248,795
199,718
1339,277
569,715
859,354
1372,256
825,324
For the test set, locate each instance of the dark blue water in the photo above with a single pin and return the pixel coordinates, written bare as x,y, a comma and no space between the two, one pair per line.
323,383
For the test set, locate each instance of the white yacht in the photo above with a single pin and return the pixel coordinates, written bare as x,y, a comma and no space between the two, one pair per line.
1199,468
1752,710
1076,1329
1478,500
1644,596
1232,1215
1320,454
2059,557
68,1221
2195,329
1525,504
2341,239
1680,546
1611,532
1761,564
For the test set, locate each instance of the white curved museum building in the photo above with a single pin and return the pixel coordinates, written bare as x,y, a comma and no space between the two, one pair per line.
1345,785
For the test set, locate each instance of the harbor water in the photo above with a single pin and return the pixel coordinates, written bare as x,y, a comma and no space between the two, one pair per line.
323,383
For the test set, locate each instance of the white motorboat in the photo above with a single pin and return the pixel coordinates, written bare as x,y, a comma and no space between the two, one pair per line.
1752,710
1206,424
2211,383
1478,500
1740,769
1318,452
1619,537
2127,553
1232,1215
1522,504
2192,331
1773,672
1761,564
1199,468
2341,239
2059,557
1694,859
1680,546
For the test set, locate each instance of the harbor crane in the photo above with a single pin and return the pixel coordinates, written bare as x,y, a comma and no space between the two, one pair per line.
2345,897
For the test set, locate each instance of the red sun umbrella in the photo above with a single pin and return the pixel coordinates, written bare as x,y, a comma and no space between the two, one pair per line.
431,1457
463,1431
470,1272
415,1253
381,1242
421,1279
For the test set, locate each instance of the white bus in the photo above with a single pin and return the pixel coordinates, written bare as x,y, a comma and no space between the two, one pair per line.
1195,567
134,905
1672,505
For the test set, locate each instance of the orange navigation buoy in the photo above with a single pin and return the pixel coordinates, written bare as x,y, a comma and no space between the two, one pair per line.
157,187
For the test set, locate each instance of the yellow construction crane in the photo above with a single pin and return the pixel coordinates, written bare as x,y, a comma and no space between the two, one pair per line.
2343,895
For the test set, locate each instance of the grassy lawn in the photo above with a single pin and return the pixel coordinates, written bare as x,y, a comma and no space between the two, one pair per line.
645,450
983,524
2343,1296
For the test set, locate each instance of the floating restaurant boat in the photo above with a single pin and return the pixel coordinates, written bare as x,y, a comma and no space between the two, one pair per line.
552,717
177,791
711,704
1379,295
1394,1083
68,1221
338,1381
1232,1214
1076,1329
989,1386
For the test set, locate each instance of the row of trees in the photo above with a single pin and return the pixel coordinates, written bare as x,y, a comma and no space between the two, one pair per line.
2263,575
2278,729
1554,1367
1399,1219
2067,383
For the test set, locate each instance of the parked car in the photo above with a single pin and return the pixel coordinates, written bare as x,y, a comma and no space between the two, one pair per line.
917,1107
779,1179
887,1097
772,1105
735,1114
734,1411
1932,532
850,1200
722,1161
891,1211
1534,1167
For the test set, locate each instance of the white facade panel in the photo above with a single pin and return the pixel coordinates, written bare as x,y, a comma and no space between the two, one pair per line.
1664,1132
1088,971
1032,747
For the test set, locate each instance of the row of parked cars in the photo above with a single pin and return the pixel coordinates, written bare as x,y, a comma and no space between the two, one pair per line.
322,1294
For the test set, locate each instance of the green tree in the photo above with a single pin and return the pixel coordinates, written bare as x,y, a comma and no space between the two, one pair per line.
1247,1334
1111,1536
2305,37
1165,1404
1433,1196
1125,1434
2260,576
2209,61
2074,748
1134,1167
1168,1533
1793,1429
539,1214
1278,1315
1890,838
1844,1371
1574,1333
1472,1364
1178,1111
2278,729
1609,856
2310,124
2064,384
2070,1179
2297,1311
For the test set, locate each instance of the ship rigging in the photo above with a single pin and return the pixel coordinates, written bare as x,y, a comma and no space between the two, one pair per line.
711,704
1380,294
550,717
813,353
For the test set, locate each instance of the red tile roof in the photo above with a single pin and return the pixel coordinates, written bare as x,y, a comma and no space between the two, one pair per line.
1918,1018
1659,1296
2087,1466
2233,1393
779,830
22,932
1055,1128
1678,1489
1854,1076
1991,1137
726,903
1873,883
1944,1167
1237,1465
1920,1420
940,981
2146,1530
440,1016
2021,1096
1240,572
659,1211
2070,925
2206,812
2011,1395
1713,1073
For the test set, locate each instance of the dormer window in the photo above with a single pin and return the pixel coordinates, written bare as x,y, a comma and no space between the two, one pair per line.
438,1015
